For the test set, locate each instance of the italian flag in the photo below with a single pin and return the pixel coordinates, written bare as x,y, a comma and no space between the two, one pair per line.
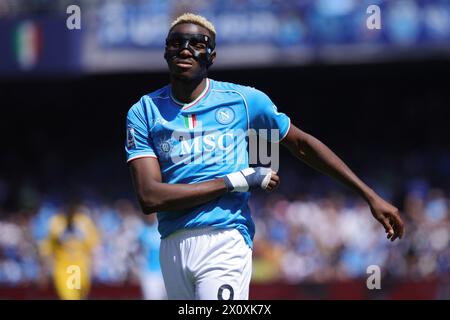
190,121
28,44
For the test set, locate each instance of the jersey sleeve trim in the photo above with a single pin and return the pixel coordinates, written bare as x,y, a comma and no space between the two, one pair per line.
287,131
149,155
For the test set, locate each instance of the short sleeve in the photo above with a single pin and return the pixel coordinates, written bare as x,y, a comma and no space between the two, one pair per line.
138,142
263,114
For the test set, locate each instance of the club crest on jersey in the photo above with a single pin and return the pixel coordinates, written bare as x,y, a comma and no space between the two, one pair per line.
224,115
190,121
165,146
131,141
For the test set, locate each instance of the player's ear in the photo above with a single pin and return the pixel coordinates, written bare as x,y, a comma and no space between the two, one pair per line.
212,58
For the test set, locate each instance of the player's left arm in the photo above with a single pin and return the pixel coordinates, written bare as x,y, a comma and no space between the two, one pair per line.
318,156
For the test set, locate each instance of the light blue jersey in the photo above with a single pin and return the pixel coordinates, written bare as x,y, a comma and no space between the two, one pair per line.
200,141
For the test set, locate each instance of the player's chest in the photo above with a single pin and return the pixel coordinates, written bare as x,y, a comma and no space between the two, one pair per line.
203,119
206,130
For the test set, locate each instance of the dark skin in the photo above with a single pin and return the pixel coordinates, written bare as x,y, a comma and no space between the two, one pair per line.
188,76
188,80
317,155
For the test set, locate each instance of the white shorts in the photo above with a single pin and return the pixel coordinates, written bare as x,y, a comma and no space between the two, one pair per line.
206,264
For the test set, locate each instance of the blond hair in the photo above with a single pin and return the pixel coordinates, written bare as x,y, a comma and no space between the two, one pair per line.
195,19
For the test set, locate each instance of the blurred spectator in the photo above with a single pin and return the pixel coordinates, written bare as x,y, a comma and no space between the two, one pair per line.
149,269
68,249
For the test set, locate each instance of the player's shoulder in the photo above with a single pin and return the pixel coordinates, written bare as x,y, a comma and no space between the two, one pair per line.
247,92
230,86
161,93
149,100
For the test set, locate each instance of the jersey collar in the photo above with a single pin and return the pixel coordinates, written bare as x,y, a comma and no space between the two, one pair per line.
190,104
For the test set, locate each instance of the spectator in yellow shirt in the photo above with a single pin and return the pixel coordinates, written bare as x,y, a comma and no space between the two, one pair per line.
68,251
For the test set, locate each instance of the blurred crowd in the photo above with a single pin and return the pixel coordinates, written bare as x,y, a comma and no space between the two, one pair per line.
308,237
22,235
320,239
281,22
12,8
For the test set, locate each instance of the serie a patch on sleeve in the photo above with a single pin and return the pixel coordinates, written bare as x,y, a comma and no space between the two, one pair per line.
131,141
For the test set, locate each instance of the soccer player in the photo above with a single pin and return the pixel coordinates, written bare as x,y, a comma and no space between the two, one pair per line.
189,163
67,251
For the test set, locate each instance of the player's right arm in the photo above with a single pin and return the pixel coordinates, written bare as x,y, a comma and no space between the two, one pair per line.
153,195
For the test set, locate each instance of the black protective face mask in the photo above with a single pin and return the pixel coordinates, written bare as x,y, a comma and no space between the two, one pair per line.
199,45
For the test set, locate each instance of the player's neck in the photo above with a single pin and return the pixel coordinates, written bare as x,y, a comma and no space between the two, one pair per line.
187,92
